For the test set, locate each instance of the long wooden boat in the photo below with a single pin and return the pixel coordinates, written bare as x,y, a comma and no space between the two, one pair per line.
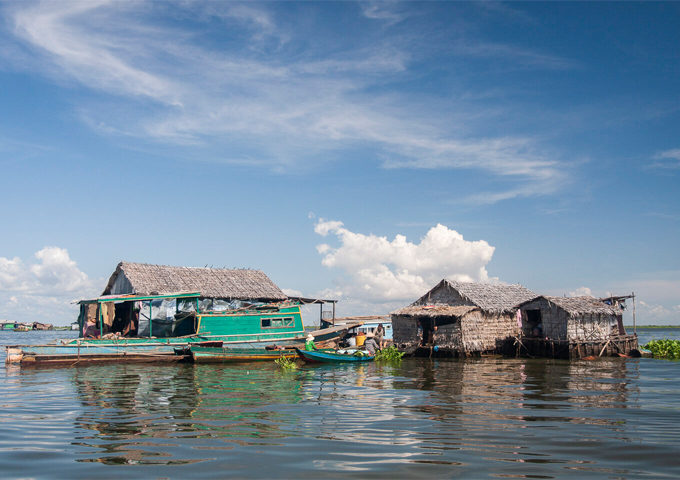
200,354
317,356
251,328
224,355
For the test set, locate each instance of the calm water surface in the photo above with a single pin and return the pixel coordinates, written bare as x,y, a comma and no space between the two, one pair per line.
427,418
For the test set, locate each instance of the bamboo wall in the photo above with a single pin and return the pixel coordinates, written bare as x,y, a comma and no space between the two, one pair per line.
553,319
482,331
560,325
405,330
450,336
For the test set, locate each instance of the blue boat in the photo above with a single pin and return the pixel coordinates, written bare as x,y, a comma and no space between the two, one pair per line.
316,356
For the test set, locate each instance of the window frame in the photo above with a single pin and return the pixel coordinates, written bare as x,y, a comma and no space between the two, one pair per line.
291,322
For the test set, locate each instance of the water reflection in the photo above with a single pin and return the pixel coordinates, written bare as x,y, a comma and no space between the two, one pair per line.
425,418
143,414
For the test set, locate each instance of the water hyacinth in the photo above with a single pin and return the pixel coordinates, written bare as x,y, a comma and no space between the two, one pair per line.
389,355
664,348
285,363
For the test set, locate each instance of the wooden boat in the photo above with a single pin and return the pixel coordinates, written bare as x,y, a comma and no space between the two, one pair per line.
246,329
318,356
200,354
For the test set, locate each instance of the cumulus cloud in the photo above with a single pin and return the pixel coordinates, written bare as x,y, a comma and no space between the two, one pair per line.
580,292
379,270
650,313
44,288
292,293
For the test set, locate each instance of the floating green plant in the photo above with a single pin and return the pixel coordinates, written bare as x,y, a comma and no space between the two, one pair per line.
664,348
285,363
389,355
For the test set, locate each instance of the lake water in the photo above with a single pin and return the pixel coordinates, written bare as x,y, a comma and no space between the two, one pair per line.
507,418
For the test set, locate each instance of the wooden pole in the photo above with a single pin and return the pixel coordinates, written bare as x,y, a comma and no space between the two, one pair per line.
634,327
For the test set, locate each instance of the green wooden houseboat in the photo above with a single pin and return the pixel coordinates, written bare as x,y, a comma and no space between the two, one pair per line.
154,312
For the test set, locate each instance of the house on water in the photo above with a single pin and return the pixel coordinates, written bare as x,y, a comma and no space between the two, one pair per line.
460,319
161,313
142,300
574,327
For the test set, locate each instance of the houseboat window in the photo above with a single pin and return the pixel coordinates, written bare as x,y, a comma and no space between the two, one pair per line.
186,305
278,322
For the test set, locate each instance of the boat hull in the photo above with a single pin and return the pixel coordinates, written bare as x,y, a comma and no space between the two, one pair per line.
153,349
236,355
327,357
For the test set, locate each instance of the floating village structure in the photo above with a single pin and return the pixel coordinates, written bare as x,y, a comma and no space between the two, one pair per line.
162,313
25,326
574,327
460,319
164,301
464,319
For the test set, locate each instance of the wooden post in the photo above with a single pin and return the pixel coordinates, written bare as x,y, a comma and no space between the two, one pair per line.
634,328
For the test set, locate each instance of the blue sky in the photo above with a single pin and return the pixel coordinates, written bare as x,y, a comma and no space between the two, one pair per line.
354,150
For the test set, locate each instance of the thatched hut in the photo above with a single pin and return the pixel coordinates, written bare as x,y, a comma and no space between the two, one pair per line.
211,283
168,297
458,319
573,327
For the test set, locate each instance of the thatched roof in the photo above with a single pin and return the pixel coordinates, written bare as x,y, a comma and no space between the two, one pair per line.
238,284
434,311
584,305
493,298
490,298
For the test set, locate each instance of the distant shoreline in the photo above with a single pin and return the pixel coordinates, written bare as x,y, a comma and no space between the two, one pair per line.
653,326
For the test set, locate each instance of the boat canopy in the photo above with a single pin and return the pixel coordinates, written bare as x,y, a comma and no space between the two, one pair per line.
134,298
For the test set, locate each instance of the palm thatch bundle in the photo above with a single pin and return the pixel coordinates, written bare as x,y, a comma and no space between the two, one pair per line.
223,283
576,306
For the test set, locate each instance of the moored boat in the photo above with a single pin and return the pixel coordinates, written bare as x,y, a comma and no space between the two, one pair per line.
239,309
319,356
200,354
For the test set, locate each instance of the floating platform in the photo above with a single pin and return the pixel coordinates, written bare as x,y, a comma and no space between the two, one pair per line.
571,349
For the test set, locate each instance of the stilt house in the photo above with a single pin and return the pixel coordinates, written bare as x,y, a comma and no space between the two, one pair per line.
458,319
573,327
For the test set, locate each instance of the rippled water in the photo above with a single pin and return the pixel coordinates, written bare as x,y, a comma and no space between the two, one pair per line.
610,418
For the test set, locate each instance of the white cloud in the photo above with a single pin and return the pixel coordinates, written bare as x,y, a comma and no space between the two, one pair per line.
90,51
519,57
389,12
377,270
651,313
580,292
171,87
669,159
292,293
43,290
